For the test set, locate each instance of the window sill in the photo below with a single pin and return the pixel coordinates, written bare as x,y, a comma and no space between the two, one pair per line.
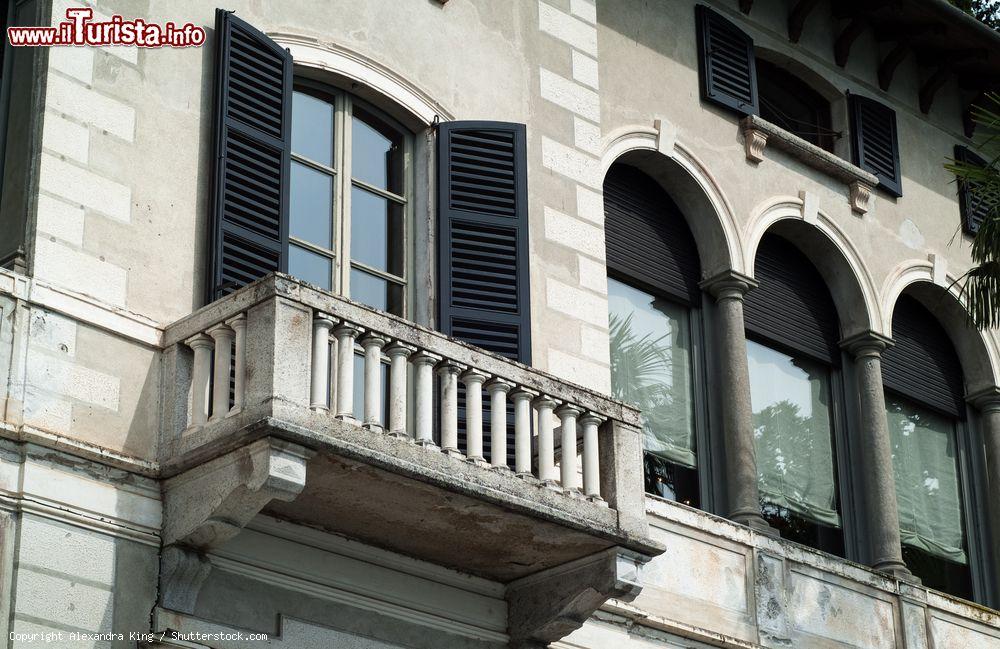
758,133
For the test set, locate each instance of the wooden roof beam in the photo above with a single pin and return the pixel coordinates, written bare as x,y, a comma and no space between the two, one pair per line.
746,6
797,18
931,86
888,66
842,48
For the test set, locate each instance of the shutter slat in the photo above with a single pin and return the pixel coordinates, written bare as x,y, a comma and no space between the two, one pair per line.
252,147
725,63
874,145
922,364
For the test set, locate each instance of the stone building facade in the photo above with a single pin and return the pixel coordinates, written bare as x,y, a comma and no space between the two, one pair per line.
191,443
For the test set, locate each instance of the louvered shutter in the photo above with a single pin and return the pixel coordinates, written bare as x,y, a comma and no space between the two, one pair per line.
972,207
792,306
726,67
252,160
922,364
873,141
483,236
647,239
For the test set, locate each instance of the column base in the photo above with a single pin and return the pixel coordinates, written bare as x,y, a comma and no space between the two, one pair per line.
399,434
375,428
755,522
426,443
896,569
478,461
453,452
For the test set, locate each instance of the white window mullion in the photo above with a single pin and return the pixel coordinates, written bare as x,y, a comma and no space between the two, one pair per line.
342,219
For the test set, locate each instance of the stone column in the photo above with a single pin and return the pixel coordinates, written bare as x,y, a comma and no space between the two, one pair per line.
728,289
987,402
877,474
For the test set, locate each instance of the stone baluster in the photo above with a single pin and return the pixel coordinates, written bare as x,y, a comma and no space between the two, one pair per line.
522,430
319,390
591,464
568,414
423,369
498,389
398,353
372,343
346,333
448,372
473,380
544,405
222,337
239,325
200,377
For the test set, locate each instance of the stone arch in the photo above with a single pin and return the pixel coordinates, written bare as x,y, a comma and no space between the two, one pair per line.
364,78
939,292
832,253
708,212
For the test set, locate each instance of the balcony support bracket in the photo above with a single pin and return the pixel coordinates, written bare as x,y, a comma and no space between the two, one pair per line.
547,606
206,506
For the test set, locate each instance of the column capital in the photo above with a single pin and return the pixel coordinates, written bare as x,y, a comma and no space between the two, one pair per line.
424,357
866,344
728,284
590,418
199,340
472,375
397,348
568,409
373,339
347,329
448,366
986,400
521,392
221,329
544,401
238,321
326,318
498,384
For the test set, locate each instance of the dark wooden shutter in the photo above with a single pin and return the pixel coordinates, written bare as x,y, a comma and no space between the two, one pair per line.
972,207
483,236
922,364
252,161
792,306
648,241
873,141
725,63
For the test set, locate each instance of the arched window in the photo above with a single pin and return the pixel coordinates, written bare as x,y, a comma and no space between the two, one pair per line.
924,390
792,346
789,102
348,198
653,299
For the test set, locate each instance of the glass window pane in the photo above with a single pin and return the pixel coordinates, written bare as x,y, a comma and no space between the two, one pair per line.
376,231
925,465
651,368
310,200
309,266
376,292
312,128
793,436
376,152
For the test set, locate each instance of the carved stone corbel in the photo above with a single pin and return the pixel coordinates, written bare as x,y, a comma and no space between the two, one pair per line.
549,605
861,193
754,141
206,506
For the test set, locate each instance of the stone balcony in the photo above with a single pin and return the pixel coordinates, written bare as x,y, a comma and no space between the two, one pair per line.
260,414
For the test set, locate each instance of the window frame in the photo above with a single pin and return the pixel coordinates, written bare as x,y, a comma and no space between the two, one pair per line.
343,103
840,438
704,448
970,460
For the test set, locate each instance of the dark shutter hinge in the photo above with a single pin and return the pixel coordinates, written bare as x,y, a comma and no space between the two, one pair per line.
436,121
